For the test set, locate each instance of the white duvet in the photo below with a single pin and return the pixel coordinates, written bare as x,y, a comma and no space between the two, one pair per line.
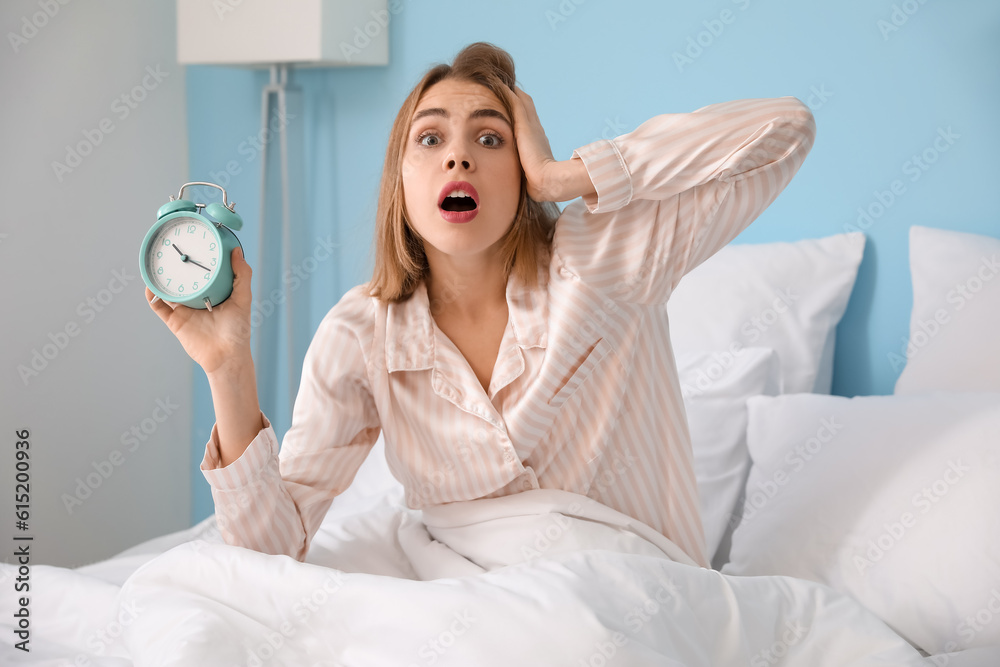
543,577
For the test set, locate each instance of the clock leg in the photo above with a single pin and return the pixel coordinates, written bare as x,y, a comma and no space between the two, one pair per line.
208,304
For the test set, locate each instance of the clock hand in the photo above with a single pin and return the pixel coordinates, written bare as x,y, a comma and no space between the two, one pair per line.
201,265
184,257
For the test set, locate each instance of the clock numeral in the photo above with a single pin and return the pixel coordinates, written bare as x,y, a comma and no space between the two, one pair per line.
177,231
159,254
159,271
168,281
195,286
166,241
211,246
214,260
180,288
192,229
206,276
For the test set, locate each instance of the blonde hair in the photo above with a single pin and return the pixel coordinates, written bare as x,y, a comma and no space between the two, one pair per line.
400,261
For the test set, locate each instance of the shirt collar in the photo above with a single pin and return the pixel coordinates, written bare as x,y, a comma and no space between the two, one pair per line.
409,330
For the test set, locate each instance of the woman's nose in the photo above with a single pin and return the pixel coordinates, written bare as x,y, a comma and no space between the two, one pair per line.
458,156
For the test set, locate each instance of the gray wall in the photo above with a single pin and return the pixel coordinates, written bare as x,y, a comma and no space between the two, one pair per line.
109,464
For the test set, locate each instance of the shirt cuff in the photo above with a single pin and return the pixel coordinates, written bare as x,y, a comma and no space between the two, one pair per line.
609,174
248,467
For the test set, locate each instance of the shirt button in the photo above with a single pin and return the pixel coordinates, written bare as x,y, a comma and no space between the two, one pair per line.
526,484
508,456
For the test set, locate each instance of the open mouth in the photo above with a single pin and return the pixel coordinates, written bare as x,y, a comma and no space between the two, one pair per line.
458,204
460,199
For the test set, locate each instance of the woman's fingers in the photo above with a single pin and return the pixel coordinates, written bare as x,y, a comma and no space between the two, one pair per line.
520,113
525,98
533,149
162,308
242,276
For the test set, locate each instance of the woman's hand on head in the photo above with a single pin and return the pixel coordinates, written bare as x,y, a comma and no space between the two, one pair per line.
533,148
217,340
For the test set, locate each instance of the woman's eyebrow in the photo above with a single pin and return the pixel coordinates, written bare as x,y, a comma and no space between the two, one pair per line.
478,113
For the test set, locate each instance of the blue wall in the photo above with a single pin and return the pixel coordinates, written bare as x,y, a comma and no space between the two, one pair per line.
883,79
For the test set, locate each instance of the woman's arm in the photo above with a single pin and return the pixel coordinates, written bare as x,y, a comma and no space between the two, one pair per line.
237,409
569,179
675,190
275,504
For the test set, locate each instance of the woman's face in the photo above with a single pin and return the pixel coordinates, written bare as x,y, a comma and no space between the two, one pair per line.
460,133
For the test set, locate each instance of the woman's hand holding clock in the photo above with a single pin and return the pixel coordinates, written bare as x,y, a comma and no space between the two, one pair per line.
217,340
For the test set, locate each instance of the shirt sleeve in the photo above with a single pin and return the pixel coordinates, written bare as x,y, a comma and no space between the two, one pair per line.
675,190
275,502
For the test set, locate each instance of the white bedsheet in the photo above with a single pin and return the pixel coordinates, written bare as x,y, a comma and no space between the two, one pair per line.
543,577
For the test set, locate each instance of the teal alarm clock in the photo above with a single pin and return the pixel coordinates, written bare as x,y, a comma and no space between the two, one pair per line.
184,257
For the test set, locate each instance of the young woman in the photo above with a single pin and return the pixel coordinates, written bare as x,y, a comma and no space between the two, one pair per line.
500,346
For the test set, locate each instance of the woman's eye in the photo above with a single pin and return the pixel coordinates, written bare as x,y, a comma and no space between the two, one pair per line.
495,141
420,139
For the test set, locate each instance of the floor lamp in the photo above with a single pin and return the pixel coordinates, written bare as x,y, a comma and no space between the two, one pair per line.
280,35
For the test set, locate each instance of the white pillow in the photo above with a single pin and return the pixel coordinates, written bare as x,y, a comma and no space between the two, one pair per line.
786,296
715,387
954,342
894,500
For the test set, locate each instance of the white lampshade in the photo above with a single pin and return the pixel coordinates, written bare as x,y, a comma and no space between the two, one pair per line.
309,33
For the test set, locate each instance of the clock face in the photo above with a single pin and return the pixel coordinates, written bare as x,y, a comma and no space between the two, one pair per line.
183,256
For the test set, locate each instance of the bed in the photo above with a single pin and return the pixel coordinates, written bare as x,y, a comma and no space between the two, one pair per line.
844,531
